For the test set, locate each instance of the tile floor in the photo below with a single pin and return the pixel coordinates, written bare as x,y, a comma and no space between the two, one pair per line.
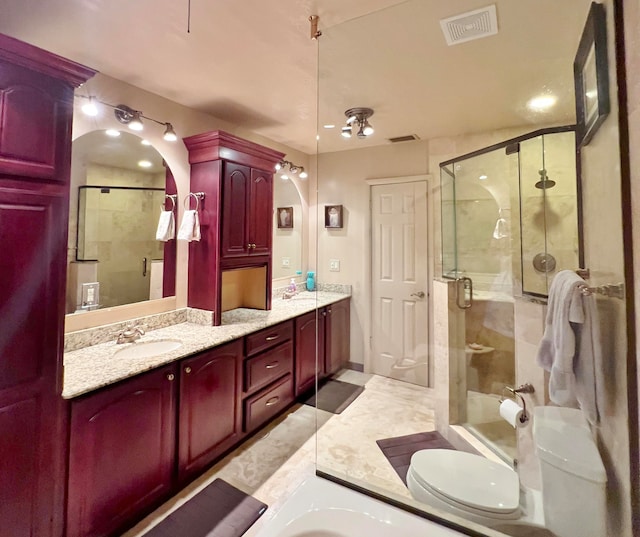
280,457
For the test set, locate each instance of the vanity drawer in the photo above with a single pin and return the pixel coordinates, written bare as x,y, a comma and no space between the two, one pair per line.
267,403
268,366
269,337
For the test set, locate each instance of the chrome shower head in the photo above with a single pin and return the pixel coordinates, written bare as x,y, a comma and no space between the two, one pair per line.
544,181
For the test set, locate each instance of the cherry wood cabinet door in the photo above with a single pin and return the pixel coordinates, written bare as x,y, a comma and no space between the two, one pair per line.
32,419
305,363
260,212
337,335
235,218
210,417
122,449
35,134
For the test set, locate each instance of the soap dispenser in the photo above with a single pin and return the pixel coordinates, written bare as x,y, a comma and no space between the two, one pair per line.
292,286
311,281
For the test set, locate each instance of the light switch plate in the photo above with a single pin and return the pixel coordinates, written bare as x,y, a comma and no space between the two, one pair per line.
334,265
286,261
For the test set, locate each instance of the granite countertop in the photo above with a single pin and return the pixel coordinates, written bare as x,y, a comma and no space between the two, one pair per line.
93,367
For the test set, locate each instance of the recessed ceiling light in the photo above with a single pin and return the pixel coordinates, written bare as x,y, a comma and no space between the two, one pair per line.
329,126
145,142
112,132
144,163
541,103
482,177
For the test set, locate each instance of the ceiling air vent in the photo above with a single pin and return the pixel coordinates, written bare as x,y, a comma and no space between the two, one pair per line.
406,138
471,25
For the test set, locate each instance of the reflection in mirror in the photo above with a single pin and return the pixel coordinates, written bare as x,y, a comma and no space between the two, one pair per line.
118,191
457,100
287,229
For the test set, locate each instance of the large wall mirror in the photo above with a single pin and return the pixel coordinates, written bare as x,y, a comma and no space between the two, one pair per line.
445,101
288,227
119,186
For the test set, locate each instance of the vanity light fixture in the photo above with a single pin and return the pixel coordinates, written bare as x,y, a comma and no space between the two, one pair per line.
293,169
128,116
358,118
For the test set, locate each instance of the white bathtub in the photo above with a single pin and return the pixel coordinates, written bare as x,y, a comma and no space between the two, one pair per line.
320,508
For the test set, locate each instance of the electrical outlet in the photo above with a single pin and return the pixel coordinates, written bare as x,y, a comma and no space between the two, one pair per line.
334,265
286,262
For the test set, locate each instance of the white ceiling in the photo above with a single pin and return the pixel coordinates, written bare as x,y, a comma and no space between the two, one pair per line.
252,62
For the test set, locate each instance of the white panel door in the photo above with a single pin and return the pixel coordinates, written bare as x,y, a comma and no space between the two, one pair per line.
399,324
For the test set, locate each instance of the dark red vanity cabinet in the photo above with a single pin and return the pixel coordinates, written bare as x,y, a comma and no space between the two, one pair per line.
210,415
337,336
122,452
36,100
308,327
236,177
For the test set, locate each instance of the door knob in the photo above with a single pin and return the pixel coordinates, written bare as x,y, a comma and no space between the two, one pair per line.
419,294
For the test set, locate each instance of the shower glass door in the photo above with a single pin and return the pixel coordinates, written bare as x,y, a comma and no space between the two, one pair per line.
480,208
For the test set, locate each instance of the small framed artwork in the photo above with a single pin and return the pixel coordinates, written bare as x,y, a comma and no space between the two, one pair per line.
591,75
333,216
285,217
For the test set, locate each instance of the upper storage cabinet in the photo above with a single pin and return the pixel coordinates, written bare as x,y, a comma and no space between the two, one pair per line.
247,195
236,214
36,103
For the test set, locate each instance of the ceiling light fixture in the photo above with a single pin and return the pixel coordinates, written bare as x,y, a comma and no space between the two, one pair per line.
112,132
293,169
541,103
128,116
358,117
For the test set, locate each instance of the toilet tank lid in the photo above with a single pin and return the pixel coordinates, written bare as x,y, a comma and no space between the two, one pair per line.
563,439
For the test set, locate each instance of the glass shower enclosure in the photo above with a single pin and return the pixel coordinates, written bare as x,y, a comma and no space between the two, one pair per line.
509,222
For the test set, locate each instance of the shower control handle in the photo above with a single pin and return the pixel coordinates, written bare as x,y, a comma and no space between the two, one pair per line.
419,294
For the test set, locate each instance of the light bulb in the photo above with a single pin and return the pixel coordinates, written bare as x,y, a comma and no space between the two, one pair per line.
346,132
144,163
90,108
367,129
169,134
112,132
136,122
145,142
303,174
293,169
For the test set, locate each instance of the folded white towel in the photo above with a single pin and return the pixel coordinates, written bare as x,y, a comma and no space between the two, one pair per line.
166,226
190,226
570,346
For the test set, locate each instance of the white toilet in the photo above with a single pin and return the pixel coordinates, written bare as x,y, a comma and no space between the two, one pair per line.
572,502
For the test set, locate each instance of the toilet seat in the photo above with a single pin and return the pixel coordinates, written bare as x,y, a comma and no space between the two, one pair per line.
470,482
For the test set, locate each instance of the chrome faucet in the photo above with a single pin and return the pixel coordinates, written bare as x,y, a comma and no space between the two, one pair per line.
130,334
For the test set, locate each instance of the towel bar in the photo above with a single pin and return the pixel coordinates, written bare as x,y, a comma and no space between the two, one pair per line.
615,290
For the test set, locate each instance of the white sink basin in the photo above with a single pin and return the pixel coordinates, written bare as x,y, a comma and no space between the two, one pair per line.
147,349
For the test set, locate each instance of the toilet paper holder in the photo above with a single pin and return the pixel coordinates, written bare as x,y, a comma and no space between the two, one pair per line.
516,393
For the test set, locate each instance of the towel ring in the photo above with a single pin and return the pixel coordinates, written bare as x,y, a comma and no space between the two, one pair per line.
173,198
197,195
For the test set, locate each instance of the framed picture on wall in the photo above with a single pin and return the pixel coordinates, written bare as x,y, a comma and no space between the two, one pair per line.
591,75
333,216
285,217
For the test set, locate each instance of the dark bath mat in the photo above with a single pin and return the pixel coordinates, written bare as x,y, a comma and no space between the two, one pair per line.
218,510
335,395
398,450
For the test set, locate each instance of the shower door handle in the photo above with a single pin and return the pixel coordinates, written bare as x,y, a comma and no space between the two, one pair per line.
462,285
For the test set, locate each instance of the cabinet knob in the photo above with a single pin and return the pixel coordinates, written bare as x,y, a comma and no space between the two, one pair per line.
170,376
253,245
272,401
187,370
